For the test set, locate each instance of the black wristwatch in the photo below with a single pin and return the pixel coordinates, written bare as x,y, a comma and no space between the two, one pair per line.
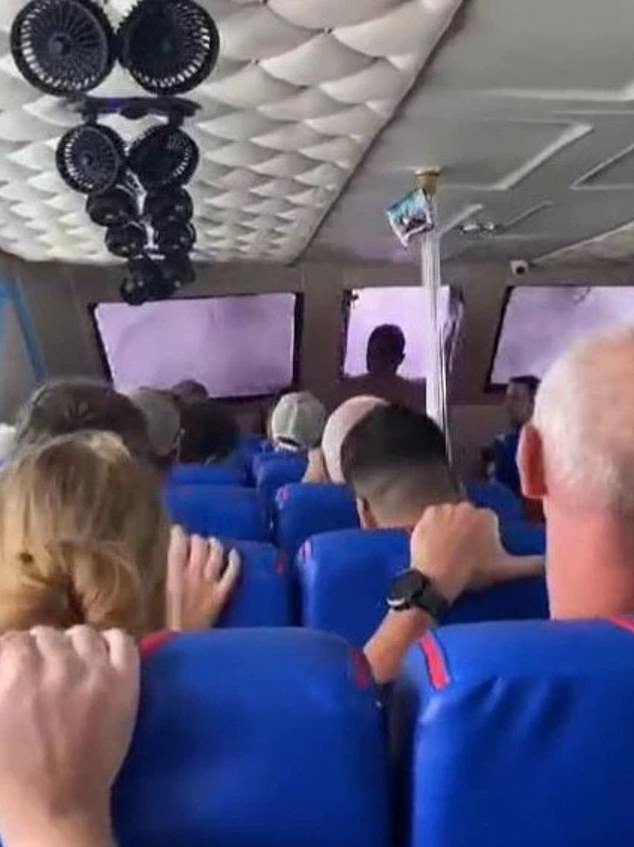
413,590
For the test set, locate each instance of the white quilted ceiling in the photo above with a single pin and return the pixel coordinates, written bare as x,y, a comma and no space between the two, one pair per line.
301,90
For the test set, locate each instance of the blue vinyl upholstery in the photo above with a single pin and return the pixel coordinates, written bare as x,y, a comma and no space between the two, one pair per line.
264,595
497,497
518,734
218,510
271,738
303,510
216,474
345,576
273,471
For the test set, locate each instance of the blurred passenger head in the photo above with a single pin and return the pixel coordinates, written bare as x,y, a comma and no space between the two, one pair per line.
190,391
577,456
83,537
64,406
337,428
163,421
520,399
396,462
209,433
386,350
298,421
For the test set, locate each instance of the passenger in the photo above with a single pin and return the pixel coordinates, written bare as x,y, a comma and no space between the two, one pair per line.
189,391
396,462
84,539
209,433
163,420
520,402
64,406
324,465
385,355
68,706
577,457
297,422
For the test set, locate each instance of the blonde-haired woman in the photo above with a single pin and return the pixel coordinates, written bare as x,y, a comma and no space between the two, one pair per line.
84,539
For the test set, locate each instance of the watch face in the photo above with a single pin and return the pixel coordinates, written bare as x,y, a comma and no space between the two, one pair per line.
405,588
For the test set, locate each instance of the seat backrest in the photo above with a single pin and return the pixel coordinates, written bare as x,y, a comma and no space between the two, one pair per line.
219,510
522,538
216,474
518,734
302,510
345,577
254,739
498,498
273,471
265,594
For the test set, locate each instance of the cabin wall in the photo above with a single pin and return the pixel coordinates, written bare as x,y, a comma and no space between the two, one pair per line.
58,298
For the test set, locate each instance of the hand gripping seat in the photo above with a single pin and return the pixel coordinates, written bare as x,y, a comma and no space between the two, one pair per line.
345,577
267,738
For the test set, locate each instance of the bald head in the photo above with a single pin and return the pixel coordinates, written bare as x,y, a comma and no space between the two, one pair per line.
584,415
337,428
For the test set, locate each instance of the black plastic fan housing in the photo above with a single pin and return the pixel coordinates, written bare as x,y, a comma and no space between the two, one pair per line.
163,157
63,47
179,269
170,206
90,158
168,46
175,238
126,241
115,207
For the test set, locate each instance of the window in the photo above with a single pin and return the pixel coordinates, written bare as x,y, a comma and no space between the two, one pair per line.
540,322
235,346
404,307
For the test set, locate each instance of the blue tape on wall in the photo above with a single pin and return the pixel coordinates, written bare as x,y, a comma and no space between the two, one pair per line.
10,292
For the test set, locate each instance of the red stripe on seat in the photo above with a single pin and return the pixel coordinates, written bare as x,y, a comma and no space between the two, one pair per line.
623,623
436,664
152,643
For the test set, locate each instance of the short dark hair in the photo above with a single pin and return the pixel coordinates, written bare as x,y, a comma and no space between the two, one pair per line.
393,446
65,406
390,337
209,431
531,382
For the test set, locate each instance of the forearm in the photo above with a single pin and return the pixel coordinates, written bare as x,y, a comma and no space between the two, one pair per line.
518,567
386,649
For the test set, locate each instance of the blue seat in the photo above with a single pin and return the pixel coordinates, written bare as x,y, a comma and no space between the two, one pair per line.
220,510
522,538
498,498
255,739
518,734
302,510
225,473
345,576
273,471
264,595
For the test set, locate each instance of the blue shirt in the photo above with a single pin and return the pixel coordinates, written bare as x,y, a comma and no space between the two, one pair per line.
506,471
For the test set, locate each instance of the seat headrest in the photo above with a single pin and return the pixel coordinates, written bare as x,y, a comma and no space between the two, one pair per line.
522,735
219,510
251,739
345,577
302,510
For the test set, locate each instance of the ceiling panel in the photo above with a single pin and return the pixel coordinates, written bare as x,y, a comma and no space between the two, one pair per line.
300,92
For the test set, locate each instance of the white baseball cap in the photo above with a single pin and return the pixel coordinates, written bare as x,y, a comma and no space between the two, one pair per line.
298,421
